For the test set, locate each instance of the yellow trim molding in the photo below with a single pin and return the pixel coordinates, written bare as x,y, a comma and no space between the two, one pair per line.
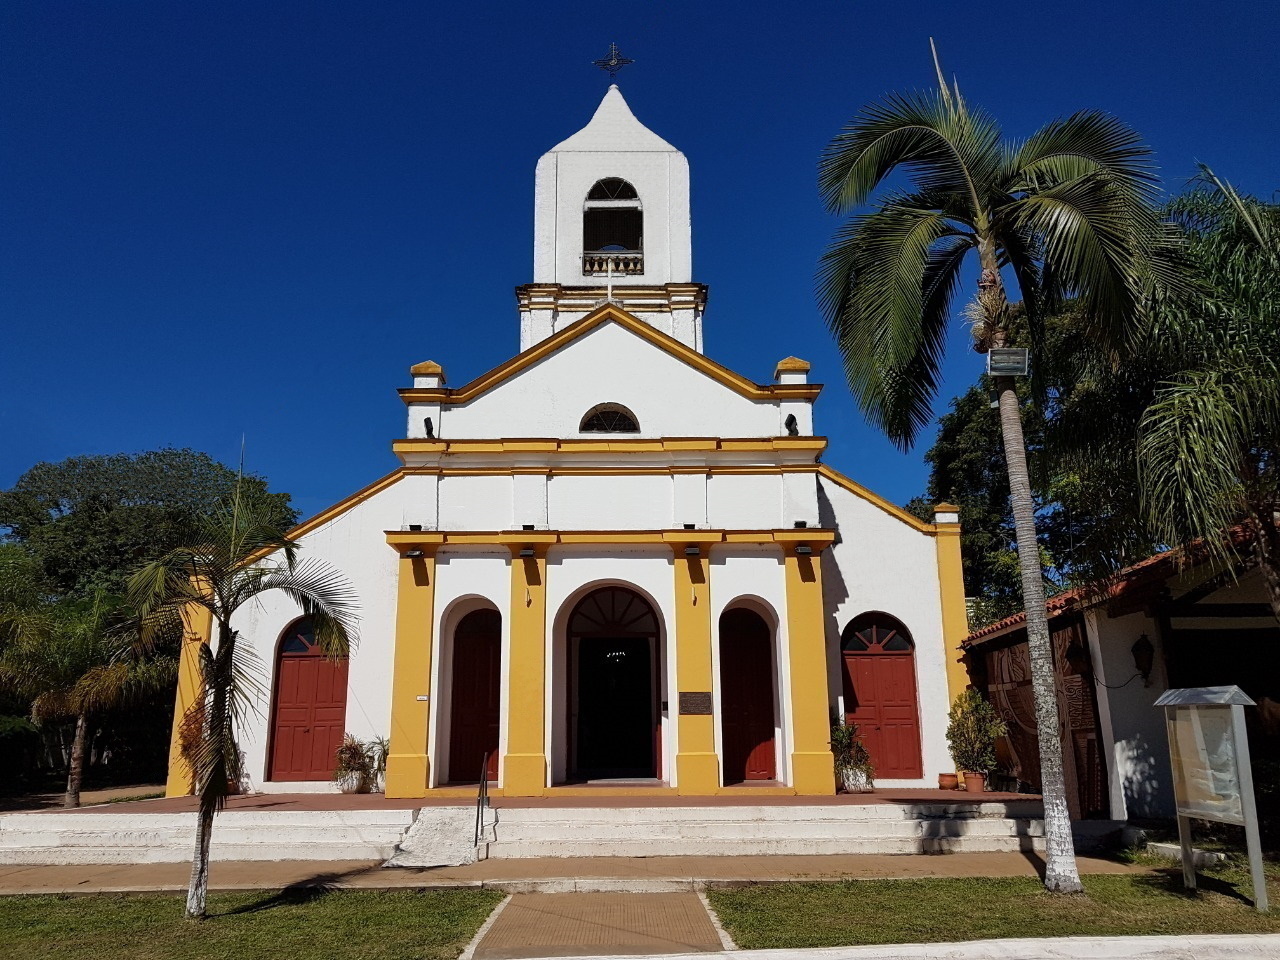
524,766
808,445
955,614
812,765
607,313
791,365
697,765
403,540
197,624
858,490
408,766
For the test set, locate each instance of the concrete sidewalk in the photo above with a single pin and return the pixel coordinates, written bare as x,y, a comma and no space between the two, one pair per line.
1210,947
540,875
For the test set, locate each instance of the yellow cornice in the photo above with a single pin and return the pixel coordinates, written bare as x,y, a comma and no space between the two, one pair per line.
604,314
791,365
858,490
813,445
435,539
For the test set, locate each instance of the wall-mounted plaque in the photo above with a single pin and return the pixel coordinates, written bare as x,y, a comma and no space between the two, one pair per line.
695,704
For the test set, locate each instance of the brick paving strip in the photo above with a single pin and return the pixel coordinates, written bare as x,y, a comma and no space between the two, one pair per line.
593,924
534,875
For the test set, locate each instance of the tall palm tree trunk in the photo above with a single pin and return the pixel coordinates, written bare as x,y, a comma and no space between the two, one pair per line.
75,764
1061,874
198,887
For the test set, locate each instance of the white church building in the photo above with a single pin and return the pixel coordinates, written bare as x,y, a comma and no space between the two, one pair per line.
610,564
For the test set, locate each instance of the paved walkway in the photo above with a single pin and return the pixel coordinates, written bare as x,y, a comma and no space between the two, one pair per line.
543,875
1216,947
591,924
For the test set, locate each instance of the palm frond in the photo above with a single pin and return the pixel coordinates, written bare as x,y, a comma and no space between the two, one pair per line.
1084,144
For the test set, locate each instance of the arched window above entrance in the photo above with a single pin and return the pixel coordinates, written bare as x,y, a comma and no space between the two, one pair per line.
876,633
613,611
609,418
612,188
299,638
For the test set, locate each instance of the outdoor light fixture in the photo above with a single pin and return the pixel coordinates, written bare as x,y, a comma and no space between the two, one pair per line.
804,550
1144,657
413,554
1077,657
801,524
692,551
526,553
415,527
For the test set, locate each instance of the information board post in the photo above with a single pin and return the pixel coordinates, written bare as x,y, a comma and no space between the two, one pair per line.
1212,776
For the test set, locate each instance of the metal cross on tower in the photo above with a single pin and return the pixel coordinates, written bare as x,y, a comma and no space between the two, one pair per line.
614,62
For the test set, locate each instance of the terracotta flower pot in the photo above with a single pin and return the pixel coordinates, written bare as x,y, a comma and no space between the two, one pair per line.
948,781
975,782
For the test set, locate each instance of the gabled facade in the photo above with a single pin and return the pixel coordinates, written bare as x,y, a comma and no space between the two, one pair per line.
611,563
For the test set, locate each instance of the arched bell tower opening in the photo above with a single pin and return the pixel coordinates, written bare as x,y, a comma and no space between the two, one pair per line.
612,229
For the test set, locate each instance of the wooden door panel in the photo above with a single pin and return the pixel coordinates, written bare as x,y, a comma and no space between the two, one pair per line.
746,695
475,705
309,715
880,697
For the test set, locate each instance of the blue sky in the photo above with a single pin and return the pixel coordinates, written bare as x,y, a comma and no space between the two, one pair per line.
251,218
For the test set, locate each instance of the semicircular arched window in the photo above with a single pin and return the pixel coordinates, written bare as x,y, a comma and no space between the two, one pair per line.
876,633
612,188
609,418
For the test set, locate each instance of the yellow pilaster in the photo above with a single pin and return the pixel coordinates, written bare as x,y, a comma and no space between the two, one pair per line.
812,765
524,766
697,765
197,624
408,768
955,615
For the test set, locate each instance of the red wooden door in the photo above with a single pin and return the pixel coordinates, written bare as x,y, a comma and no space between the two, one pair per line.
746,697
880,694
475,705
310,708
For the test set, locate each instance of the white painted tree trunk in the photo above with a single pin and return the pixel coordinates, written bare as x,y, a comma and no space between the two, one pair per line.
1061,874
198,887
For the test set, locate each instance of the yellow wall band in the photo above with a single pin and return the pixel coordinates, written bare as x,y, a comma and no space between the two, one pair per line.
408,767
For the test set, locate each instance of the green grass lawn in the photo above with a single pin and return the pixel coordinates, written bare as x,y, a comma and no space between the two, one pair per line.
936,910
310,923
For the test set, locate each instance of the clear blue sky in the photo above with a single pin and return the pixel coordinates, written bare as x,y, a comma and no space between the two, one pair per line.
250,218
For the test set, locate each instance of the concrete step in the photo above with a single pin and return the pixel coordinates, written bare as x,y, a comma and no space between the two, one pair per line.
765,847
557,831
72,838
773,813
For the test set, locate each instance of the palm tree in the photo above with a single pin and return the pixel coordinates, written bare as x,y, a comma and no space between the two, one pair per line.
1067,213
243,554
73,659
1209,443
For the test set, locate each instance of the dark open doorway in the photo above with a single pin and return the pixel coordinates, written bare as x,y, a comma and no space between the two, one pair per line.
614,716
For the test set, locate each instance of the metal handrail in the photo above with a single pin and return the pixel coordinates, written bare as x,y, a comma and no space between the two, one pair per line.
482,796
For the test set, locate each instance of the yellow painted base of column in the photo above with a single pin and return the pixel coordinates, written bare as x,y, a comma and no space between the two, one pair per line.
524,775
814,773
697,774
407,775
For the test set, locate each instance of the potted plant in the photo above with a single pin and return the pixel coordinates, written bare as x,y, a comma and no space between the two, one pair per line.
356,770
948,781
854,771
972,733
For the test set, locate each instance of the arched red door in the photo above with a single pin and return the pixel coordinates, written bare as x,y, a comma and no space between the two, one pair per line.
475,700
309,710
880,693
746,697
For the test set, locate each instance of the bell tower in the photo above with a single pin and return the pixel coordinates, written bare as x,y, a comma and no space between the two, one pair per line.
611,222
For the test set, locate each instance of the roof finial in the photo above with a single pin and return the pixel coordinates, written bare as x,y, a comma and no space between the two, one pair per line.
612,63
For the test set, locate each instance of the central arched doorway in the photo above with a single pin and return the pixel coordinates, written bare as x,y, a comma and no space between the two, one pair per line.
614,716
475,701
879,680
309,707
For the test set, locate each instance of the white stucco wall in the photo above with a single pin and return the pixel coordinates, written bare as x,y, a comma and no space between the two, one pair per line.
1134,741
610,364
883,564
354,545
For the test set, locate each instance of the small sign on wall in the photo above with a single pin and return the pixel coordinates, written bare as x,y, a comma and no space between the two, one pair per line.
695,704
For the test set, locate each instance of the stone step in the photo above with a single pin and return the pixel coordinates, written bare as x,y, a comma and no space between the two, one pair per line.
763,847
773,813
554,831
175,854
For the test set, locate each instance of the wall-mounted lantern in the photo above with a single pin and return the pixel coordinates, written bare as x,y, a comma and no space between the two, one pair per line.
1144,657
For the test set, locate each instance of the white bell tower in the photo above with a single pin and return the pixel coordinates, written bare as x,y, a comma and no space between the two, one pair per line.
611,222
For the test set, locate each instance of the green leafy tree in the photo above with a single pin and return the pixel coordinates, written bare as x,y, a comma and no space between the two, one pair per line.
91,520
1209,443
240,553
1067,213
74,659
